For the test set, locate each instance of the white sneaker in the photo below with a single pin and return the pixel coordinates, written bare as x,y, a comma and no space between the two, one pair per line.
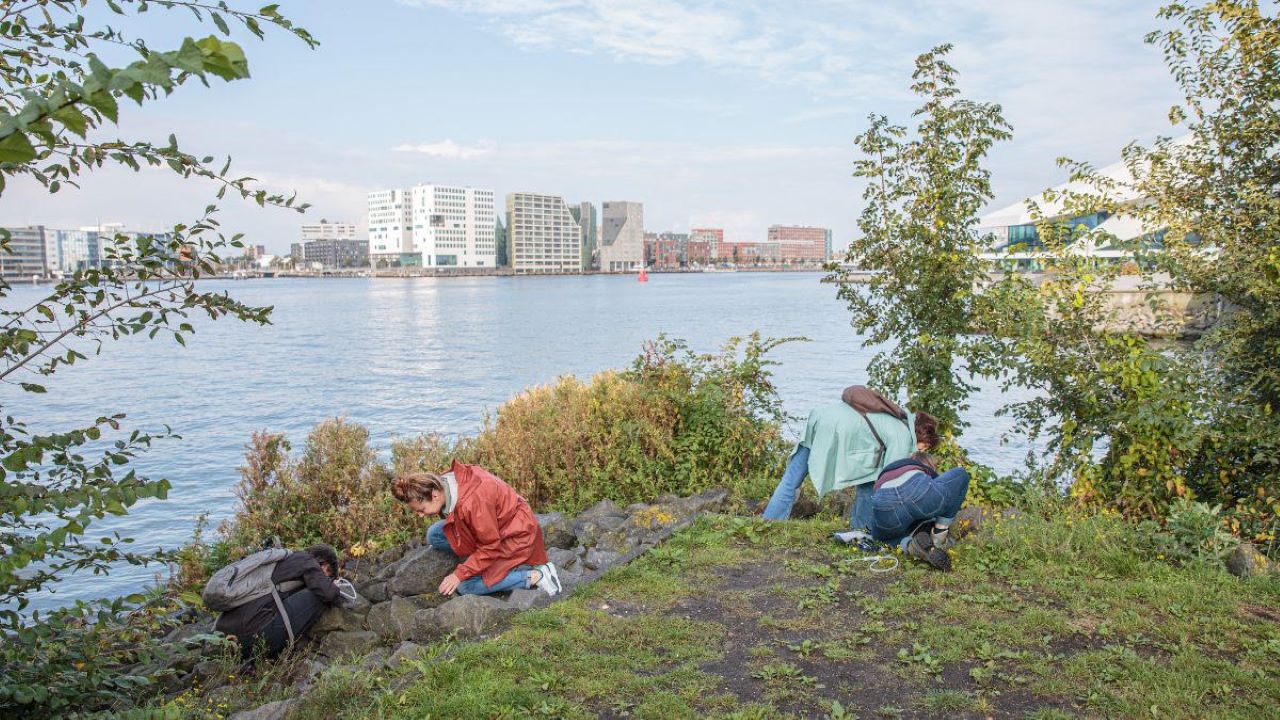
549,583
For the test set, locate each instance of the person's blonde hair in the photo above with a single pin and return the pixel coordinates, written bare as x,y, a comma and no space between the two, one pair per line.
416,486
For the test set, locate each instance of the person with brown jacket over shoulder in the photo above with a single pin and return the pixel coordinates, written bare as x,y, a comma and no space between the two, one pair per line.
257,624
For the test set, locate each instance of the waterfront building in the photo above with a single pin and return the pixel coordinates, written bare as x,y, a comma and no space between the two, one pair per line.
622,236
1106,235
325,230
330,254
502,248
433,225
751,253
589,223
543,236
667,251
713,237
453,226
801,243
390,223
27,254
698,253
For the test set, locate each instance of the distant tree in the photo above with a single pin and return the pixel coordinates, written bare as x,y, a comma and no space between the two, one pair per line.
58,101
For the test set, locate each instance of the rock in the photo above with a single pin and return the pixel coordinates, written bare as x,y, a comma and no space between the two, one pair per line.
376,659
394,618
1245,561
206,669
601,509
421,571
471,615
968,520
405,651
600,559
562,558
375,592
339,620
620,541
527,599
557,530
591,528
425,626
340,644
804,507
391,555
709,501
271,711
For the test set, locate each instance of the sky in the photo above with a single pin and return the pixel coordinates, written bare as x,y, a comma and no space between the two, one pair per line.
738,114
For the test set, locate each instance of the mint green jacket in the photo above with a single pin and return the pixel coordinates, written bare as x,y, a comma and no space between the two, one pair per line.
842,450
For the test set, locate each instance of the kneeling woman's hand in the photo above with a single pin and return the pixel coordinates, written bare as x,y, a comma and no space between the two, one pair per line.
449,584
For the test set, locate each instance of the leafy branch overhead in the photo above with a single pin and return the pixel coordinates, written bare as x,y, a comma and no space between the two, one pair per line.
57,90
58,98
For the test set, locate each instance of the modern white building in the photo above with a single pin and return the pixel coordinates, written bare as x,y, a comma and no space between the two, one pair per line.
622,237
390,223
542,235
433,226
1101,234
453,226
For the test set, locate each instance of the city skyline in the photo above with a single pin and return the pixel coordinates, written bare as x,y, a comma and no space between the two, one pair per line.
727,117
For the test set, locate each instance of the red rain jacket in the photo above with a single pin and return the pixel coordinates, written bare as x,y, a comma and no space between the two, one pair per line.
491,526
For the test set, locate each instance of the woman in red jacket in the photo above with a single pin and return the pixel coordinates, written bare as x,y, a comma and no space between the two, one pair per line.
487,524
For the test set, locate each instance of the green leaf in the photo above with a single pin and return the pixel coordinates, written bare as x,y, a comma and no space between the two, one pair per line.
16,148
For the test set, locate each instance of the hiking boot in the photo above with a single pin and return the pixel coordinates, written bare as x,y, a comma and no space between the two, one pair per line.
549,583
921,547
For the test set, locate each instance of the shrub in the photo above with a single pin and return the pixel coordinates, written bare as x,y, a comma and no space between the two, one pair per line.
336,493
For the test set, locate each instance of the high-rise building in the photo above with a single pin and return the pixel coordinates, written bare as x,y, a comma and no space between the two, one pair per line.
390,223
801,243
622,237
444,225
713,237
542,235
585,215
26,256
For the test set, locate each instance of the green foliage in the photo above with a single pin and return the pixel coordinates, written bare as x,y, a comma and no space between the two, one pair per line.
335,493
1192,532
918,234
1136,426
57,99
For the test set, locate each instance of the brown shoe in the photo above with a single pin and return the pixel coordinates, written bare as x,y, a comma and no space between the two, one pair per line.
921,547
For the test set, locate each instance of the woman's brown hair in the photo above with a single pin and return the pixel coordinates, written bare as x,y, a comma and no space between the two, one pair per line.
416,486
927,431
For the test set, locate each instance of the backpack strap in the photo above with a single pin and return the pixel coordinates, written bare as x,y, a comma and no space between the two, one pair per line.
275,595
876,435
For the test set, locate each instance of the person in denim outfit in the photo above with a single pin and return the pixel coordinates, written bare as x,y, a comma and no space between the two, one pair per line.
914,506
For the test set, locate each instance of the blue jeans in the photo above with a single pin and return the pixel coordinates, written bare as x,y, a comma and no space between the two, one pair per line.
784,496
516,579
896,510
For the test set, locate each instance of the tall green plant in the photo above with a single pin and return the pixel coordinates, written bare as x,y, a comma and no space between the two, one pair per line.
58,99
919,238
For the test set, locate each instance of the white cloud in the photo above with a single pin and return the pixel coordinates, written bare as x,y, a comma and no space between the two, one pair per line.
448,149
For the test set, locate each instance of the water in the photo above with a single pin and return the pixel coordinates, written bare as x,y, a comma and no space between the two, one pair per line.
409,356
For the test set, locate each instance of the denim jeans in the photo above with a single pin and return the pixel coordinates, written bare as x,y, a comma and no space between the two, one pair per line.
896,510
784,496
516,579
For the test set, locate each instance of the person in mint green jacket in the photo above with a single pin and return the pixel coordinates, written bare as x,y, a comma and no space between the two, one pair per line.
846,444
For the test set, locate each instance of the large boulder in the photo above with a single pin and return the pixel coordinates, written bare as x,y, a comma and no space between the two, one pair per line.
598,520
421,571
375,591
338,619
405,651
557,530
1245,561
600,559
562,558
400,618
341,644
527,599
471,615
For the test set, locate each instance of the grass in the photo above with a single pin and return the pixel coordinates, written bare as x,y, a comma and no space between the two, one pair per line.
741,619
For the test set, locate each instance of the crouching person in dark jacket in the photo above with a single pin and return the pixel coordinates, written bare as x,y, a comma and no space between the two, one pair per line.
257,624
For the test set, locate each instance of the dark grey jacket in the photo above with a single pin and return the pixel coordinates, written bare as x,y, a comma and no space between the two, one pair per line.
253,617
